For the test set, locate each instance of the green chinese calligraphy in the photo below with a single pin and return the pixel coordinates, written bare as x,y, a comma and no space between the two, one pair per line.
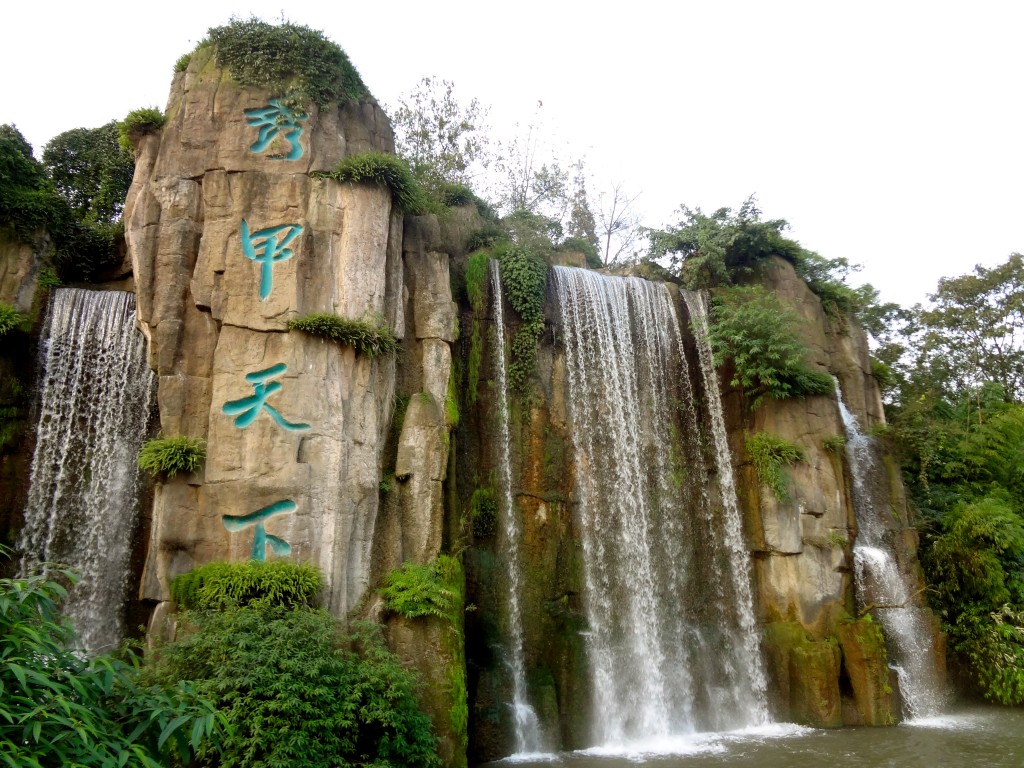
273,121
248,408
267,247
262,539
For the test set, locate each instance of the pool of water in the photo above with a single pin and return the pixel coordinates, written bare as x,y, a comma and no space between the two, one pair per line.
969,737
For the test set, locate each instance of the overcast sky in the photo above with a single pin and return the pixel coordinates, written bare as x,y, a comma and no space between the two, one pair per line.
889,133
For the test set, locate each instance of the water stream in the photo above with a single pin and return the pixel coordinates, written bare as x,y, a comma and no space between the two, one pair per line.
528,737
671,640
880,582
94,390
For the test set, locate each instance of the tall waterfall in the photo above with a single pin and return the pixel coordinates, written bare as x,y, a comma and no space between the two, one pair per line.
880,582
671,641
94,403
527,726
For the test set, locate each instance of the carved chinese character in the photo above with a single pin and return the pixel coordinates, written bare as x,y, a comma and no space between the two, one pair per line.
268,246
262,539
273,121
248,408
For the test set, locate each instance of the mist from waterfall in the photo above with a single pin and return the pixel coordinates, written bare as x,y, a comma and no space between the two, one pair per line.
95,391
881,583
671,640
528,737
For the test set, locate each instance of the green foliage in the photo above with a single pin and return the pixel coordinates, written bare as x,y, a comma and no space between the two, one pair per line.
371,340
487,236
589,251
136,124
477,280
524,278
91,171
48,279
77,207
386,170
433,589
10,318
443,140
834,444
252,584
992,643
297,61
770,454
182,62
296,692
758,333
484,511
167,456
451,404
60,708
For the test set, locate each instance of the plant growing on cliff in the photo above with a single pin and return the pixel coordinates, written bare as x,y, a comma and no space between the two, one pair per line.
431,589
297,61
61,708
371,340
484,513
758,333
138,123
252,584
388,171
770,454
10,318
524,278
167,456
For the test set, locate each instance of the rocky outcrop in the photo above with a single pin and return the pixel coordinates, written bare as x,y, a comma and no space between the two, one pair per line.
228,244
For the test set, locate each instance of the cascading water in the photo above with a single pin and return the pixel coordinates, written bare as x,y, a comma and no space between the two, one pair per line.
528,735
880,582
671,641
94,403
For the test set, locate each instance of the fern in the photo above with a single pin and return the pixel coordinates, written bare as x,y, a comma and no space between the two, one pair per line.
253,584
769,454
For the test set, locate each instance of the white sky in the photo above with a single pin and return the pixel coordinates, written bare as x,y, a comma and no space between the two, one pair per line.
889,133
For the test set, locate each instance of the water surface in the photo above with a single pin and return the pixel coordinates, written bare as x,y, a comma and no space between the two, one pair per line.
990,737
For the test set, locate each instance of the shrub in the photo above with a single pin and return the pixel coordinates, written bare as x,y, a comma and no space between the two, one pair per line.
769,454
136,124
477,279
751,327
834,444
10,318
486,236
251,584
524,278
590,254
296,692
484,511
367,339
182,62
296,60
167,456
384,169
61,708
433,589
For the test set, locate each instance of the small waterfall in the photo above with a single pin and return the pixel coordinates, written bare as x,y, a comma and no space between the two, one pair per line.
94,402
527,726
671,640
880,582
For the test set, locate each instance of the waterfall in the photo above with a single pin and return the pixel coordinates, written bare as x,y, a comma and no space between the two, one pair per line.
880,582
94,402
671,640
527,725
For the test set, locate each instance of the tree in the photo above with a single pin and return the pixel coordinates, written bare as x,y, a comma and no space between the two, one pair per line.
618,223
444,141
974,330
91,170
60,708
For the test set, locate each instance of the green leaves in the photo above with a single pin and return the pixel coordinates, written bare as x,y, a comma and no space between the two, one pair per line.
759,334
10,318
167,456
769,454
60,708
296,692
384,169
434,589
524,278
287,58
252,584
137,123
367,339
